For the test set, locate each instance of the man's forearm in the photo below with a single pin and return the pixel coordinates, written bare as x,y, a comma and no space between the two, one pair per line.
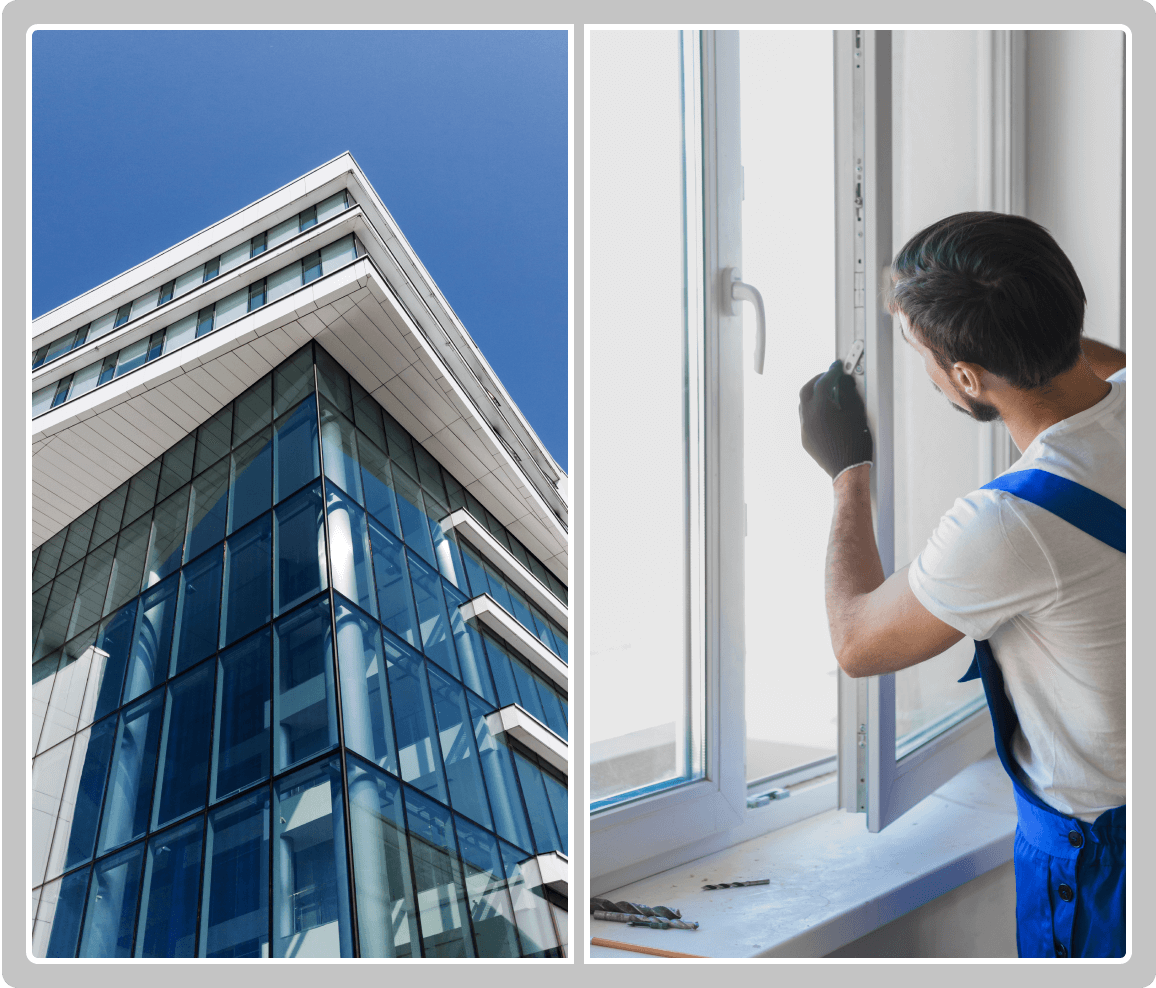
1103,359
853,564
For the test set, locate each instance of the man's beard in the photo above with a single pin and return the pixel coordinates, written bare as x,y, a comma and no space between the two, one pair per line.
981,411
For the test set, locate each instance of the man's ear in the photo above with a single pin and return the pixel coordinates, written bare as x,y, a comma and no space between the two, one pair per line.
968,378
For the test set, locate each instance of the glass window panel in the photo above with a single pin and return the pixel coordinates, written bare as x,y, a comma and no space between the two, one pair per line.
39,608
292,380
339,450
538,803
188,281
65,934
556,792
257,245
256,294
311,267
429,472
165,293
198,611
247,600
498,768
132,356
67,809
304,714
491,911
333,382
42,399
108,517
307,218
130,787
479,583
207,509
455,493
93,753
241,728
519,552
212,269
58,614
394,596
253,411
531,910
183,776
365,709
541,626
310,890
101,326
446,551
177,467
131,548
63,713
49,773
85,379
167,545
295,451
299,569
560,640
111,911
283,231
235,257
231,308
62,387
251,483
459,751
497,588
156,345
400,444
431,612
471,653
527,689
367,414
76,545
331,206
168,911
181,332
413,719
145,303
93,587
414,524
149,660
349,551
204,321
441,899
502,669
46,562
282,282
38,356
43,678
385,905
113,643
213,439
377,479
235,897
552,704
58,346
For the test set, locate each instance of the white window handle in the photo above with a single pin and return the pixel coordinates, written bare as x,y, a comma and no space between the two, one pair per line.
742,292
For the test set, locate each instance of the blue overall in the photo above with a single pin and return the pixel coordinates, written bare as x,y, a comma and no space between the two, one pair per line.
1069,874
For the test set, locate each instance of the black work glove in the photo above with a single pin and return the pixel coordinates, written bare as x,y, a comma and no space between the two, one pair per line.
834,421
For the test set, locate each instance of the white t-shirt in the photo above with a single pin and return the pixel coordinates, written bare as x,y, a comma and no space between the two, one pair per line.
1051,600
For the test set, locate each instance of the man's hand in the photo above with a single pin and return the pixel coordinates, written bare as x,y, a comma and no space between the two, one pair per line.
834,421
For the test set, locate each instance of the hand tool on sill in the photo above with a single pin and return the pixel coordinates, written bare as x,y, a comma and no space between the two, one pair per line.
637,919
637,948
609,906
736,885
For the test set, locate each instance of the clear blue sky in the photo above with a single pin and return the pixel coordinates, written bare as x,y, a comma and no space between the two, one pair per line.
142,138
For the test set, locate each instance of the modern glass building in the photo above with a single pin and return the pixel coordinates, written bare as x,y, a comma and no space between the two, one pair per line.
299,618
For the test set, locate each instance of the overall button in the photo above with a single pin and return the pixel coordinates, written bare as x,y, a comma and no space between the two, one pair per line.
1061,950
1075,838
1066,892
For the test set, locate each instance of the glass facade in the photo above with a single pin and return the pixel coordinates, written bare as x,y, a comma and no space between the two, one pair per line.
259,721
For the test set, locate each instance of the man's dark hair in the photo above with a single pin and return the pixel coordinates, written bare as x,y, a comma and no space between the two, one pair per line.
994,290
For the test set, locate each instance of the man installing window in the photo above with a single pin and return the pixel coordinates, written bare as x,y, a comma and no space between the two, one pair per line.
1032,566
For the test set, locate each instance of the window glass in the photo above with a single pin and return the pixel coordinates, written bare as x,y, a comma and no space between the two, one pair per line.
111,910
235,897
181,332
93,587
377,478
367,414
108,368
339,450
183,777
285,280
122,314
502,668
331,206
429,473
349,551
459,751
42,399
167,545
149,661
394,596
130,789
165,293
527,689
400,444
204,321
113,642
168,911
234,257
49,772
491,911
498,769
84,380
292,381
441,898
108,517
257,245
385,905
78,746
334,383
213,439
413,719
62,387
247,600
144,304
251,479
59,346
446,549
307,218
299,568
43,678
365,709
305,719
46,562
475,570
336,254
414,525
63,713
531,910
54,628
207,508
283,231
156,345
295,451
471,653
38,356
253,411
93,751
132,356
198,611
241,727
177,467
188,281
431,613
231,308
553,707
66,919
142,491
556,792
212,269
310,891
538,803
311,267
101,326
256,294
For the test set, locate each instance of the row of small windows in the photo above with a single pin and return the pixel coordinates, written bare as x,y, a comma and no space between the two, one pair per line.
219,265
214,316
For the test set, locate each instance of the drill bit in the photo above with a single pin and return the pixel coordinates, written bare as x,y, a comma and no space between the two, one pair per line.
735,885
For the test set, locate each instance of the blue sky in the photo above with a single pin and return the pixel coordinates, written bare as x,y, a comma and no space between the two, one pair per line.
142,138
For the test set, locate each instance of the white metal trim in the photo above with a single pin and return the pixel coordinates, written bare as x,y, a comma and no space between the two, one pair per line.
514,720
490,613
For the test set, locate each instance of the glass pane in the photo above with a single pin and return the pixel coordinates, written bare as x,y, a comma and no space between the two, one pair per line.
235,899
241,727
394,596
247,600
198,611
400,444
183,777
556,791
310,890
490,908
251,479
380,499
296,457
527,689
168,912
42,399
63,714
149,661
331,206
471,653
414,524
144,303
58,613
130,787
131,548
131,357
446,549
207,509
231,308
108,517
339,450
350,553
43,678
93,586
76,831
167,545
177,466
111,912
234,257
284,281
76,545
531,910
299,569
46,562
49,774
498,768
181,332
441,898
334,383
365,710
213,439
538,803
304,715
459,751
253,410
283,231
431,611
113,643
413,719
292,380
502,667
385,905
188,281
66,917
367,414
142,491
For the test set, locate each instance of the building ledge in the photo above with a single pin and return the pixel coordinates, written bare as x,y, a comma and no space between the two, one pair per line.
528,731
495,617
554,868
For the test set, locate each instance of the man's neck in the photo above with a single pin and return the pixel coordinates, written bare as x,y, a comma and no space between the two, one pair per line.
1028,413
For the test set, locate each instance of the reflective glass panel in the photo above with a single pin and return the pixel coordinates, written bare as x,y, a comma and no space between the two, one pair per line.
531,910
380,499
349,551
130,786
251,479
490,908
394,597
414,524
207,508
168,912
66,919
183,776
213,439
131,548
296,458
459,751
113,644
441,898
97,753
471,653
76,545
304,716
241,728
247,599
292,381
149,661
498,768
235,897
418,749
365,709
431,612
142,491
177,467
253,410
299,569
108,517
339,450
198,611
166,547
538,803
111,911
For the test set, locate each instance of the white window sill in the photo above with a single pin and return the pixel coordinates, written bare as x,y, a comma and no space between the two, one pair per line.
831,880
